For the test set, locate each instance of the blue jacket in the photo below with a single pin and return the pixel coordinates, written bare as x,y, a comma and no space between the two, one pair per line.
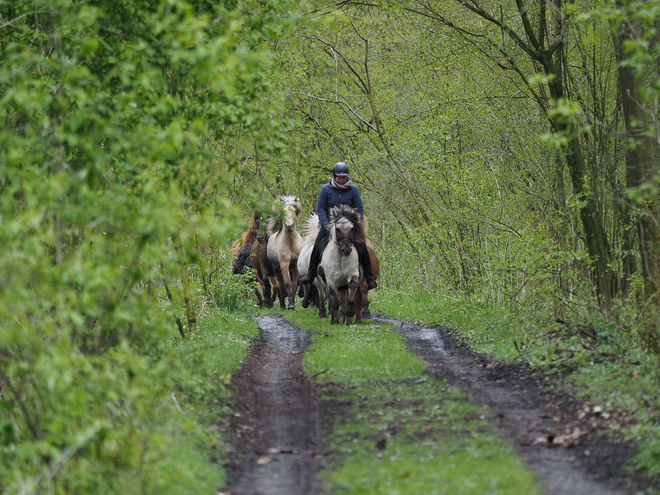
329,197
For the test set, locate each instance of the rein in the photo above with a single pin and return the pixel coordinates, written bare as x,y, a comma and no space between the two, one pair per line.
345,237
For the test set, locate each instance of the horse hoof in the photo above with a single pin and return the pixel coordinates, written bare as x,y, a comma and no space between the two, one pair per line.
292,306
304,304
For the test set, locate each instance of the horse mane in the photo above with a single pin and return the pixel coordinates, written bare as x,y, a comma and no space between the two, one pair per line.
242,260
248,236
345,211
310,229
275,223
292,201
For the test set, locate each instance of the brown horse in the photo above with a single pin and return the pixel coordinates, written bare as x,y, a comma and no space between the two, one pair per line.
265,274
241,247
246,251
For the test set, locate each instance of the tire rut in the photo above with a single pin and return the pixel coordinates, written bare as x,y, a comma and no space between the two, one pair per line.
277,420
520,413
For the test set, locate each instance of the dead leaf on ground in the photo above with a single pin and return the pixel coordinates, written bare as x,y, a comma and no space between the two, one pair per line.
264,460
277,450
563,441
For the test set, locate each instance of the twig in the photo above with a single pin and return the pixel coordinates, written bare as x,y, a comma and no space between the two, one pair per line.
320,373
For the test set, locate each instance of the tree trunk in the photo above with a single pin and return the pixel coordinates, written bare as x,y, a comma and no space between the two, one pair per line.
640,166
187,291
595,237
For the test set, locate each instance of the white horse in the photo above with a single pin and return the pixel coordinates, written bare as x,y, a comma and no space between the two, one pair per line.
310,231
284,245
340,266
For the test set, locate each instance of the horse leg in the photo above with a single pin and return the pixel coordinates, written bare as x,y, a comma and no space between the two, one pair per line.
260,301
295,276
265,283
290,290
322,297
334,306
282,289
350,297
358,303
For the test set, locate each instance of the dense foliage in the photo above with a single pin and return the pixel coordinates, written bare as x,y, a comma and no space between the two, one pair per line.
494,142
119,125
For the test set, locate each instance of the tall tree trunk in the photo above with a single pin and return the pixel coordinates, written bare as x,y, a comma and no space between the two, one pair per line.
595,236
640,165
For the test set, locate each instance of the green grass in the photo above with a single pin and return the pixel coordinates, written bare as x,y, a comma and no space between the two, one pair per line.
487,330
204,365
434,440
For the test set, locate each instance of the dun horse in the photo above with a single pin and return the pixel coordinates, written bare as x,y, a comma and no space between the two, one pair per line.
340,265
284,245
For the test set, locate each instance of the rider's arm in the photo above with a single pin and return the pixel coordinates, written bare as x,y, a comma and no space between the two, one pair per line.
322,208
357,202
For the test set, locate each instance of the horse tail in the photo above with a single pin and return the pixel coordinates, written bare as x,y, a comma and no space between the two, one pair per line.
242,260
237,247
311,229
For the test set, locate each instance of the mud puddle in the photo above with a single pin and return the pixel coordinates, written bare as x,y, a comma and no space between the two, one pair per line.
277,421
566,454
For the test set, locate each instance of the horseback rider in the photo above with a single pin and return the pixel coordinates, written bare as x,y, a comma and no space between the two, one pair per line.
339,191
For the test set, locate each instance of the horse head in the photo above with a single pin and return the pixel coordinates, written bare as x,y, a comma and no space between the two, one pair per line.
345,221
292,209
261,229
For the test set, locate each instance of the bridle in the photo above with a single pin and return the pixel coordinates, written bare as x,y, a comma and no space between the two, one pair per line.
342,238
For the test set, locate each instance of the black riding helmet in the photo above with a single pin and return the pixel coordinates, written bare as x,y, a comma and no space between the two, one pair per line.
340,170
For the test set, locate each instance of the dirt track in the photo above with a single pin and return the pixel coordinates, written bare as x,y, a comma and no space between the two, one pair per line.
276,422
278,417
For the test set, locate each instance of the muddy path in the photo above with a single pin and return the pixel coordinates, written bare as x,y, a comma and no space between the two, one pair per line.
278,419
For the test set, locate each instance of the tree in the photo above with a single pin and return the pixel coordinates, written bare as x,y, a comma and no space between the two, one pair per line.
636,78
110,115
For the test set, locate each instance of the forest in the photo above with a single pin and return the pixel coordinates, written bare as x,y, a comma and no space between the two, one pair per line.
506,152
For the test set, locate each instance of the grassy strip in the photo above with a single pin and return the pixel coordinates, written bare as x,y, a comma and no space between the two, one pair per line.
408,432
599,361
207,365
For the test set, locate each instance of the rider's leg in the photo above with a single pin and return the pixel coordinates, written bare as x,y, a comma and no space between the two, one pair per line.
365,261
315,258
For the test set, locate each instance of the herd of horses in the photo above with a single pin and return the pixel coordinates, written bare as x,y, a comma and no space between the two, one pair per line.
278,255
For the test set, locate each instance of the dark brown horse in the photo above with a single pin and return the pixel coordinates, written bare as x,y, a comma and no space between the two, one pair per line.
265,274
247,253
